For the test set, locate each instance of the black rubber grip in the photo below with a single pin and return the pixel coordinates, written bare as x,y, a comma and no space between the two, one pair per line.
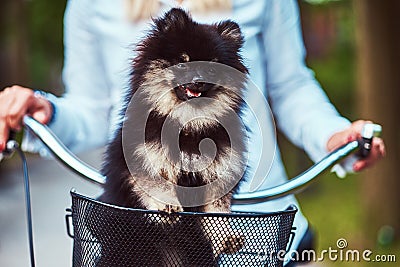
365,145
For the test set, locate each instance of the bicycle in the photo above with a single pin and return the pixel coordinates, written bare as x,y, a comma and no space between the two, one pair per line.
266,234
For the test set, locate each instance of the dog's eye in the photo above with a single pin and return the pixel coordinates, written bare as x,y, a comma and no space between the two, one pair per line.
181,66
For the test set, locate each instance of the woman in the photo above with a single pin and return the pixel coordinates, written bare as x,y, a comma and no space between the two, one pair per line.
99,42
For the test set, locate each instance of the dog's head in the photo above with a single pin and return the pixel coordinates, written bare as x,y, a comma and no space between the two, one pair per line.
183,60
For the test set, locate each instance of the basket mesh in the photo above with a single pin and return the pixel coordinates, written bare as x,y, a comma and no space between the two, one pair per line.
108,236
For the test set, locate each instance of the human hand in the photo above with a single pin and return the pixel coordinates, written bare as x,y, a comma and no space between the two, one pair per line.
353,133
16,102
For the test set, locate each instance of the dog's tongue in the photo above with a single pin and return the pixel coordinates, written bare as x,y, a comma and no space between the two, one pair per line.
191,93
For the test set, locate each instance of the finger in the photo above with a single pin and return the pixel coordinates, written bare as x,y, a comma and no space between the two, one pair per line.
5,102
14,103
3,135
17,110
40,109
378,148
14,118
360,165
41,117
359,125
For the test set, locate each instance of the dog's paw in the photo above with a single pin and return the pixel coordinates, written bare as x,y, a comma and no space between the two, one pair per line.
233,243
166,215
172,209
170,218
157,205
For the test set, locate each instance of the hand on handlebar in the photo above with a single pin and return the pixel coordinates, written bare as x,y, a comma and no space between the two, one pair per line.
354,133
16,102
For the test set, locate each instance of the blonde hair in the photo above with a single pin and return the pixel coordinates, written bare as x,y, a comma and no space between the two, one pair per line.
144,9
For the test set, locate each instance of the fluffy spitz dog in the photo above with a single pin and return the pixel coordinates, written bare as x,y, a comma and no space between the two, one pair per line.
170,88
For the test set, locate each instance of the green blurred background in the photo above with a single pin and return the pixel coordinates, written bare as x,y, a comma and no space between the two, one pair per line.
31,55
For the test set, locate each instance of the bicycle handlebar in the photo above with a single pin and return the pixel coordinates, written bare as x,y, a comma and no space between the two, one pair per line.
291,186
50,140
296,184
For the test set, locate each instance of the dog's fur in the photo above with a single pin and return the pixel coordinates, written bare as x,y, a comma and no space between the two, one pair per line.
174,39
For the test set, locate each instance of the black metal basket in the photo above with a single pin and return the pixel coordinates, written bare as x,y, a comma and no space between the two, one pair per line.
107,235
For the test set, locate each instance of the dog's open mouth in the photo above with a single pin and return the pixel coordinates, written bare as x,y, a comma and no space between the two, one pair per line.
189,91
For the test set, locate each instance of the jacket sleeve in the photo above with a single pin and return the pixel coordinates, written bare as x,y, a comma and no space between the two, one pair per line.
82,114
302,110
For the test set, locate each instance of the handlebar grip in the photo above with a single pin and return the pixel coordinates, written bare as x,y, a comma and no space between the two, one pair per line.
365,147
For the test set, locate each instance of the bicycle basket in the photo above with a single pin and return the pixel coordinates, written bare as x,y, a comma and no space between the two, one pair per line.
107,235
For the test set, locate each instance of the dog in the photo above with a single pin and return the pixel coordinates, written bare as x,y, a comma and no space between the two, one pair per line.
170,84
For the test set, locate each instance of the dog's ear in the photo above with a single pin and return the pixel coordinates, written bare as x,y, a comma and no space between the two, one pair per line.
176,18
230,30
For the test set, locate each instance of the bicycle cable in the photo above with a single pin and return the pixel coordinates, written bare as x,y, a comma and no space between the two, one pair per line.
13,145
